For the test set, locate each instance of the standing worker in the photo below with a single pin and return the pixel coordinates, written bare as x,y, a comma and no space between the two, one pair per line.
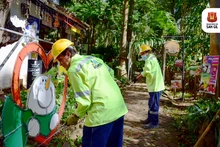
155,85
98,96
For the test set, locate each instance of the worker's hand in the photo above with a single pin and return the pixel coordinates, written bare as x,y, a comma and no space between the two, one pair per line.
72,120
134,80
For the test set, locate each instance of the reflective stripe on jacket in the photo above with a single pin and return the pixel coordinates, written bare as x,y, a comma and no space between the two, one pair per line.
153,74
97,94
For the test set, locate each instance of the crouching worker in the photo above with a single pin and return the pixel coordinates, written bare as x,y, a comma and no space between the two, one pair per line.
98,96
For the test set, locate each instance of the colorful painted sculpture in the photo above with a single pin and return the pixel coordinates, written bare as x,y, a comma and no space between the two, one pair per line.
41,100
38,119
15,127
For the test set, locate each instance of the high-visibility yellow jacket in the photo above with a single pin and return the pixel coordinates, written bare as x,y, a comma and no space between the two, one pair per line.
152,72
96,93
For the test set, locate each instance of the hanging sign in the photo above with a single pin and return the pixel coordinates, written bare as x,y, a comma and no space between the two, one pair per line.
209,74
34,70
195,70
172,47
176,84
32,29
47,19
178,63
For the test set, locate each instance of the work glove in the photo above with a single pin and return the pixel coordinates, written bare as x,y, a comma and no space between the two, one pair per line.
134,80
72,120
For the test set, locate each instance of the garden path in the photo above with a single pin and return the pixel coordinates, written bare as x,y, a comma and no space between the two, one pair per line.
166,135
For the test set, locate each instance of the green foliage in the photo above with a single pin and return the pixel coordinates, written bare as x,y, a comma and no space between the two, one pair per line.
196,118
78,141
23,95
123,80
139,65
202,111
61,138
151,22
196,41
104,18
106,53
58,80
98,56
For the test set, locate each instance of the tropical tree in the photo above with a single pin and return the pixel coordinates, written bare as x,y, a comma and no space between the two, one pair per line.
123,47
149,23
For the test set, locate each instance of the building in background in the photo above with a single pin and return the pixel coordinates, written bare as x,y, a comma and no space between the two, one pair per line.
40,21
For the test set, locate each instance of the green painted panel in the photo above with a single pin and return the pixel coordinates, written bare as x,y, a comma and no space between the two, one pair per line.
14,131
16,139
11,116
44,121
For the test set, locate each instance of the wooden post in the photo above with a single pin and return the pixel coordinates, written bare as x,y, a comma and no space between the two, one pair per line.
215,45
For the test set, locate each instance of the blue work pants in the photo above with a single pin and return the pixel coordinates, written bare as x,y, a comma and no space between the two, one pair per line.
108,135
153,111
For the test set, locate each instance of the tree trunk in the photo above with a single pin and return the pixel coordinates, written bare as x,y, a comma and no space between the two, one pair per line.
129,40
214,37
182,22
89,37
215,45
131,11
123,52
173,6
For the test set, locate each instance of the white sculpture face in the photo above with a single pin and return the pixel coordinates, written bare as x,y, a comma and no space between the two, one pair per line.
41,97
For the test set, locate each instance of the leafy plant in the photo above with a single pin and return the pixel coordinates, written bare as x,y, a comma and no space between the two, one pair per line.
201,113
139,65
59,85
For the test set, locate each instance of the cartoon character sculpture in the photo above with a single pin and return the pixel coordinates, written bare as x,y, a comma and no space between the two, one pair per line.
41,100
39,118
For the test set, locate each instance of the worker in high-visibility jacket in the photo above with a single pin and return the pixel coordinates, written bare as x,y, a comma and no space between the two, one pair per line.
155,85
98,96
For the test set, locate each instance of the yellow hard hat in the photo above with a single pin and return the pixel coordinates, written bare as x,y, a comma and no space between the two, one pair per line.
59,46
144,48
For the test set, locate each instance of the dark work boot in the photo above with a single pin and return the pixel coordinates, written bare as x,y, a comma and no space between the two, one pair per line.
146,121
150,126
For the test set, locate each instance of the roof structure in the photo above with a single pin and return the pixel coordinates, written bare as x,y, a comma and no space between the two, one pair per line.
64,15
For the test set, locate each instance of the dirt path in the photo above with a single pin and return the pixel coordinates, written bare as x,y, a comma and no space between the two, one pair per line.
166,135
